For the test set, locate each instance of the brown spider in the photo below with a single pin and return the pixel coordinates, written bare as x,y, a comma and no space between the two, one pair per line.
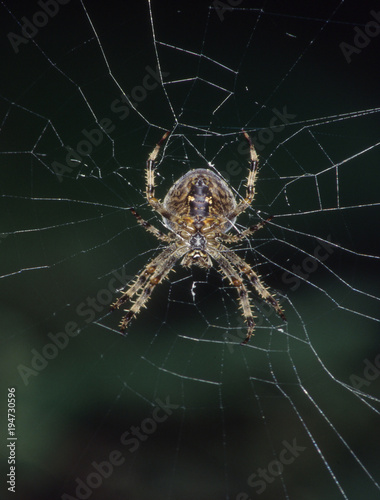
199,210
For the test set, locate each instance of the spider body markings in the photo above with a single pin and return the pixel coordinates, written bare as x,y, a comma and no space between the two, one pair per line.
199,210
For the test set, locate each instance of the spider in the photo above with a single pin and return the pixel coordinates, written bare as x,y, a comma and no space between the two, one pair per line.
199,210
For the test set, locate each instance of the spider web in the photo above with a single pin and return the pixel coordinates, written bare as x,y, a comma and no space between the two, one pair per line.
177,408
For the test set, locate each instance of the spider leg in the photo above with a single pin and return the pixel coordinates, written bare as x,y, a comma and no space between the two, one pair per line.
232,275
155,271
150,192
150,185
235,238
141,279
254,279
251,181
168,238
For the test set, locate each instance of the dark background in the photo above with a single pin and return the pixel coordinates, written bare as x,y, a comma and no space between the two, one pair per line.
62,238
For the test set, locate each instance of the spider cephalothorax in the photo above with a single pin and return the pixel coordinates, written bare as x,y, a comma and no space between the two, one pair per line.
199,210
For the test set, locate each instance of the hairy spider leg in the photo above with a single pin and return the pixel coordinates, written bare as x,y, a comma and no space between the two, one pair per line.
153,273
150,185
235,238
251,182
232,275
254,279
142,278
168,238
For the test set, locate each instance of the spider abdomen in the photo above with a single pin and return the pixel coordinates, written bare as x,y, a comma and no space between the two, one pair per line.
200,194
199,199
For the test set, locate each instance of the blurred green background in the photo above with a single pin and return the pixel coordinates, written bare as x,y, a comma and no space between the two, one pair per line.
64,238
